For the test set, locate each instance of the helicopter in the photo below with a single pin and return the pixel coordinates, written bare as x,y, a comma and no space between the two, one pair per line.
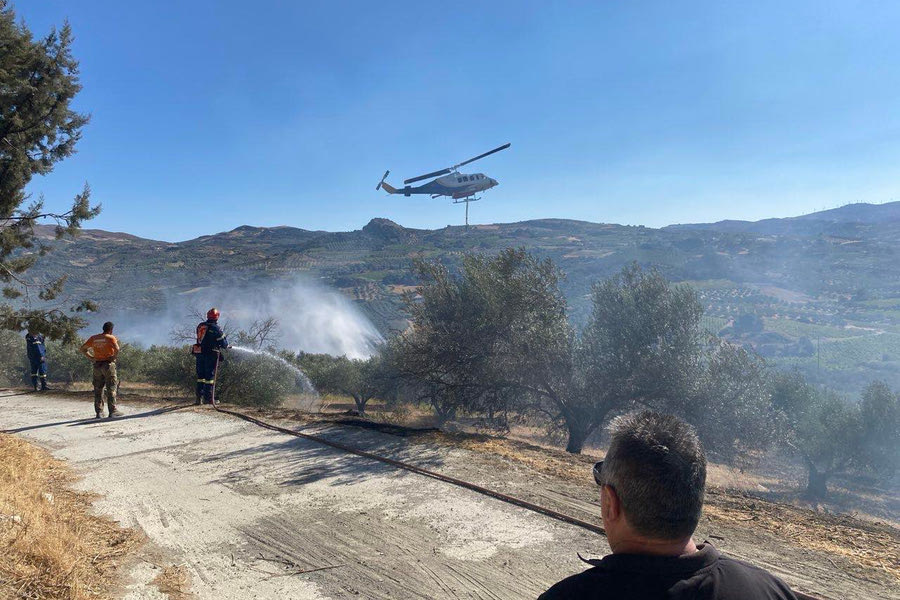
462,187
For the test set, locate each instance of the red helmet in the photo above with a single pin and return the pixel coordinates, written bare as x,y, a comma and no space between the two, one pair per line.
213,314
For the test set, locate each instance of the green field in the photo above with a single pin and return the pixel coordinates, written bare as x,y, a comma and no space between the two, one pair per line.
797,329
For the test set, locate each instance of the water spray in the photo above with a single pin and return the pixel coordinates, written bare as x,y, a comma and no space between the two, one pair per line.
304,382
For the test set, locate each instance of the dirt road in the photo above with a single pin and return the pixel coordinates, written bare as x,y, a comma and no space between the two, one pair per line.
245,509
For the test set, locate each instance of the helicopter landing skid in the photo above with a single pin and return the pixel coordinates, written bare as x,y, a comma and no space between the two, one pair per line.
466,201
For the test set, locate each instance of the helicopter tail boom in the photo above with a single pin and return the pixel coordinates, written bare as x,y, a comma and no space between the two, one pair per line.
388,188
383,184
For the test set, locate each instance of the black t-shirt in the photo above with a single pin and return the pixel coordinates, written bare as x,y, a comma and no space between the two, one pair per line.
703,575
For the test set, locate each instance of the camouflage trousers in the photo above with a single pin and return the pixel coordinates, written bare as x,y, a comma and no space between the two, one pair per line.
105,377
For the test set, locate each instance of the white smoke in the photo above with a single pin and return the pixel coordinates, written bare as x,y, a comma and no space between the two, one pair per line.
311,317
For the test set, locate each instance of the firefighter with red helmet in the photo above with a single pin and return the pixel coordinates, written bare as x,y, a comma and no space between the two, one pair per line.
211,341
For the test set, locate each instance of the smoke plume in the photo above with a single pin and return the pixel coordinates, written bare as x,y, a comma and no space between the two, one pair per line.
311,317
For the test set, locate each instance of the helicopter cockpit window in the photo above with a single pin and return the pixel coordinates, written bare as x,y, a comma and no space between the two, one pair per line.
459,180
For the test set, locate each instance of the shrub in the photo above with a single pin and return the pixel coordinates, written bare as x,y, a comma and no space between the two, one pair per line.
13,360
254,380
65,364
170,366
132,363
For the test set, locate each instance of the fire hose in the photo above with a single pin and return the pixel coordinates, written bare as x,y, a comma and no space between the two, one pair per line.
408,467
439,476
432,474
419,470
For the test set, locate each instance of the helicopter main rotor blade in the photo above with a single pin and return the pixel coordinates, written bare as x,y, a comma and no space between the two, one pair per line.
454,167
429,176
480,156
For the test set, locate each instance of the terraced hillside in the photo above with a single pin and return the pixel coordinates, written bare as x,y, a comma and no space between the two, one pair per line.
826,290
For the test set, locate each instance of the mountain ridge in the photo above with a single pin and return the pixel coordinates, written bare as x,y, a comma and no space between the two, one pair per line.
859,213
856,214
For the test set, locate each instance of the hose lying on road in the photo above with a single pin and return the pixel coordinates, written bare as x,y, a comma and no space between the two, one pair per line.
414,469
440,477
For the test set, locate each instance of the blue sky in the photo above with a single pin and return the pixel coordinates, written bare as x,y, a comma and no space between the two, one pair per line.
209,115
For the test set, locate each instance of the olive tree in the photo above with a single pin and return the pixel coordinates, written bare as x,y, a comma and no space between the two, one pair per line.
494,334
497,335
731,407
361,379
879,410
642,346
833,435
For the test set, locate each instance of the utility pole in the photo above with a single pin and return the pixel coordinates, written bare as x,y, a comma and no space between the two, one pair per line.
819,357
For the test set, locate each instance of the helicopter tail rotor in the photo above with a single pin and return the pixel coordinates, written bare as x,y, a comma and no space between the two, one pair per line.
388,187
381,183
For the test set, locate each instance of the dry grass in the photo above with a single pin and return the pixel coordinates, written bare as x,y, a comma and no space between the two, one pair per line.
870,551
554,463
53,547
174,581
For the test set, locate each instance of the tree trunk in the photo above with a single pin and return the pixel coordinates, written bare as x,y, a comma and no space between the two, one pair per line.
360,405
816,486
443,412
577,437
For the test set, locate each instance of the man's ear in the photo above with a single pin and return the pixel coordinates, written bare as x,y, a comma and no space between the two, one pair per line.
610,505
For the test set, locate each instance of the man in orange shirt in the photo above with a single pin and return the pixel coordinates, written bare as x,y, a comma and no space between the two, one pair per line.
103,349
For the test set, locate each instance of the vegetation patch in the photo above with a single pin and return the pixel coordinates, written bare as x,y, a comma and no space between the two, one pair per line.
870,551
174,581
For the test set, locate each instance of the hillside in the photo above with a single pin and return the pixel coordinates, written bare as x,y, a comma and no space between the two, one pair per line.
829,279
848,220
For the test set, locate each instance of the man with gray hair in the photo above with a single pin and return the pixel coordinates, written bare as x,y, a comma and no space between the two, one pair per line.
651,496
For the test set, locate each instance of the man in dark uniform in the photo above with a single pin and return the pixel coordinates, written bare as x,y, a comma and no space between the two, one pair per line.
37,359
210,341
